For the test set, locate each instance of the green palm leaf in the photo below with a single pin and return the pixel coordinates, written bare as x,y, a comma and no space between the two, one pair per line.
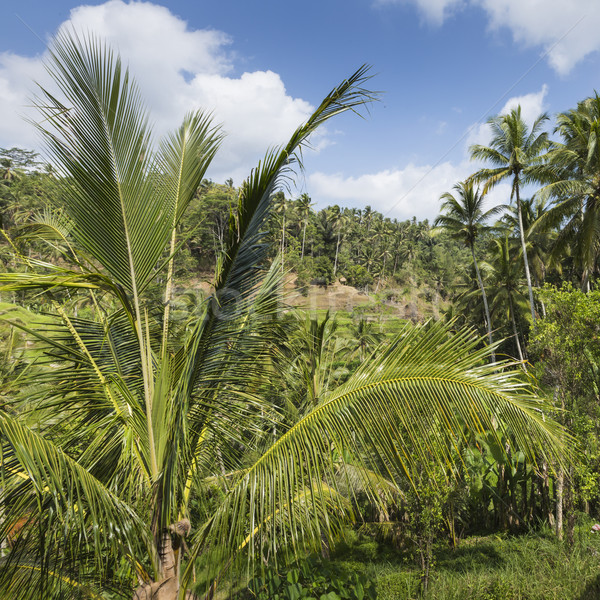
428,380
42,483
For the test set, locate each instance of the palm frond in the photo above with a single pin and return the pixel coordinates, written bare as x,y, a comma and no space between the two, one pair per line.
99,139
426,379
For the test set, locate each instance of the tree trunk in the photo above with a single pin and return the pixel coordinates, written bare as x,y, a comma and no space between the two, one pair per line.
169,289
303,239
585,281
560,484
283,244
380,275
514,324
337,249
570,508
524,248
170,551
485,303
546,508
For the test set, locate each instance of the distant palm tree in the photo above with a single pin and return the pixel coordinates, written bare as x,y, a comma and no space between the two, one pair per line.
304,205
465,220
364,336
7,172
539,238
517,154
280,207
338,220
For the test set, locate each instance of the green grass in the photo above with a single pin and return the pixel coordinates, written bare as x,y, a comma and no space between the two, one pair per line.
385,321
494,567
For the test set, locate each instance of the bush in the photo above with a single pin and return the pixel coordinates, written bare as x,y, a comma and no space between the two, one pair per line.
313,579
358,276
322,271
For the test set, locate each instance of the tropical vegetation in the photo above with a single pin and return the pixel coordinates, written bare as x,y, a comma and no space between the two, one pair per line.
172,427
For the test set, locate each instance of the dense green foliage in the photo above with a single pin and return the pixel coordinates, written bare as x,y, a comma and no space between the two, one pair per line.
171,438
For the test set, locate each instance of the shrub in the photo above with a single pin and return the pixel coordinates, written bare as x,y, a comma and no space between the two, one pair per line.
322,271
312,579
358,276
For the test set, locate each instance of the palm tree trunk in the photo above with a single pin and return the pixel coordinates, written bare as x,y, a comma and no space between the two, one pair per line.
380,275
585,281
337,249
560,484
303,239
283,244
524,249
169,290
514,324
485,303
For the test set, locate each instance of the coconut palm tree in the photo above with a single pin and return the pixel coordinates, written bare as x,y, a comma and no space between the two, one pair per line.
516,153
575,166
339,220
134,455
280,207
304,205
465,219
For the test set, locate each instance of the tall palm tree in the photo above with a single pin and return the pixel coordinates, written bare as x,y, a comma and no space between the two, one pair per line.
280,208
517,154
338,219
133,446
575,166
465,220
304,205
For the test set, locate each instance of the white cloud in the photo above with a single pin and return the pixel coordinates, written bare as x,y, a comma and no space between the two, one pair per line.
17,76
401,193
567,30
532,105
415,190
177,69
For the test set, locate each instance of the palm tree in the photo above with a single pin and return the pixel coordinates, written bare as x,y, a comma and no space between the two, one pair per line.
364,336
505,286
338,219
304,210
280,207
517,154
464,219
133,446
575,165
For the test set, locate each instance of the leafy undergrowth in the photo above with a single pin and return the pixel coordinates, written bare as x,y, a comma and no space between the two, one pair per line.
494,567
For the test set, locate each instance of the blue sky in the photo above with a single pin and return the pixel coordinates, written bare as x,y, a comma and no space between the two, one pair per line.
444,67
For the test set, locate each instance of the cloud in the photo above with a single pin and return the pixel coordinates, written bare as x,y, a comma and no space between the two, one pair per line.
397,193
177,69
415,190
532,105
17,76
565,29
